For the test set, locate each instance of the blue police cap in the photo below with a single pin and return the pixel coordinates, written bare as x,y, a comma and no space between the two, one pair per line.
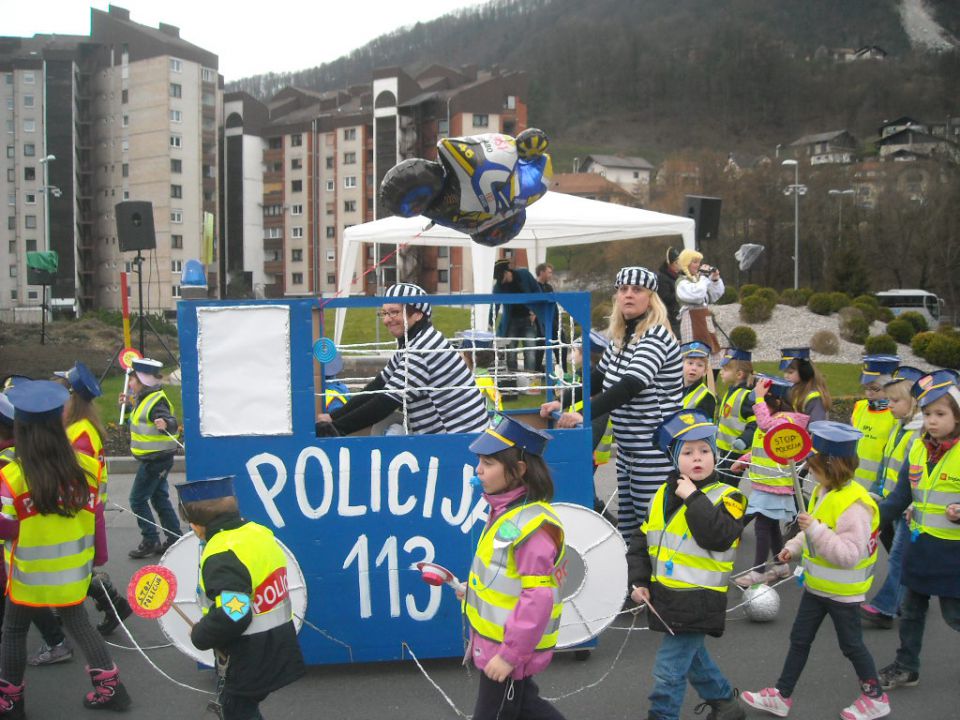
905,373
333,367
695,349
834,438
933,386
82,381
10,380
209,489
736,354
878,368
684,425
6,410
37,400
779,387
505,432
788,355
479,339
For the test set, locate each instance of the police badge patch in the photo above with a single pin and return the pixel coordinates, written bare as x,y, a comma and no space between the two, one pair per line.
234,604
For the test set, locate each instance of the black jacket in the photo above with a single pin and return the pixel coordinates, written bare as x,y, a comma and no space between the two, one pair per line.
667,290
712,528
257,664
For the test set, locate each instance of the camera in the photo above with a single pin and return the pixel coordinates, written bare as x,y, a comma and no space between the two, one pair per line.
708,269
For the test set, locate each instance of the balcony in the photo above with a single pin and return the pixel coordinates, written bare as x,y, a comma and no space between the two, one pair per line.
273,292
273,243
273,267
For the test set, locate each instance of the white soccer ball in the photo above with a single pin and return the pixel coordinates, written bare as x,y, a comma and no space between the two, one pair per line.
762,603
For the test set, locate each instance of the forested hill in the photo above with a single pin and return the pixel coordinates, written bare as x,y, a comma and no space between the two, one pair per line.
656,75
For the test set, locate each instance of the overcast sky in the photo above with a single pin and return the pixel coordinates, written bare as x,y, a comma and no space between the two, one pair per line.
281,35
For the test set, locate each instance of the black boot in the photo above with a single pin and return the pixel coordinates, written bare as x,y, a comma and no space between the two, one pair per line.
147,548
729,709
103,595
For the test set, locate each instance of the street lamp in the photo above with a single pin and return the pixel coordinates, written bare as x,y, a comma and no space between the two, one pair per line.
47,190
839,195
796,190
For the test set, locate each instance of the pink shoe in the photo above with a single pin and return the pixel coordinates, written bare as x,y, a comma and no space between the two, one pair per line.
867,708
754,577
769,700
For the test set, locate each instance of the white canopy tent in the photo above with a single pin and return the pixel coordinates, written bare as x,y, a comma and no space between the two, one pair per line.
553,221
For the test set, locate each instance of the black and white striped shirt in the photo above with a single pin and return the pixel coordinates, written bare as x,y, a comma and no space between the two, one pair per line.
456,407
655,361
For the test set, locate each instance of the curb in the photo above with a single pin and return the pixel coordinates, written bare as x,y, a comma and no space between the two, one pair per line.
128,465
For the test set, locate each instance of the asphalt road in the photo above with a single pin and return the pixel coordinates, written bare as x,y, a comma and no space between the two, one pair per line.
751,655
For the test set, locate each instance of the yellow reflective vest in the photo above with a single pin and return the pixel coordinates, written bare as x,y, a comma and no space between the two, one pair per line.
75,432
763,469
257,549
145,438
491,395
50,562
731,421
692,400
875,426
494,585
895,455
677,561
601,453
823,576
934,491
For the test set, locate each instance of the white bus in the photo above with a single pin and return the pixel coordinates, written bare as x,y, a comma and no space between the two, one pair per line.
921,301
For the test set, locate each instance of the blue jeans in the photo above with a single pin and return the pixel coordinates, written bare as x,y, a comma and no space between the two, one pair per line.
522,327
680,658
888,598
913,619
150,488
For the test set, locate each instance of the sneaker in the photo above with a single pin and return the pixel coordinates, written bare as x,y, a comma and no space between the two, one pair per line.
769,700
869,614
727,709
46,655
147,548
754,577
893,676
867,708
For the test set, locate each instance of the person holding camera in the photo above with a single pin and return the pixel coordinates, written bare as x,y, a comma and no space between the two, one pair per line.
698,285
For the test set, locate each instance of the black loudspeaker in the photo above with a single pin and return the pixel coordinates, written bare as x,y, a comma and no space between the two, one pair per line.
705,212
36,276
135,225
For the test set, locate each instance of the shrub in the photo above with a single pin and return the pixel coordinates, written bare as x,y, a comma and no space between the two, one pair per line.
855,328
743,337
885,314
748,290
825,342
820,304
755,309
918,321
793,298
806,292
730,296
944,350
901,331
920,342
768,294
880,345
869,299
869,311
839,300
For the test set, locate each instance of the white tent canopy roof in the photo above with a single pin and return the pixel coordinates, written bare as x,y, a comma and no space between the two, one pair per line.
553,221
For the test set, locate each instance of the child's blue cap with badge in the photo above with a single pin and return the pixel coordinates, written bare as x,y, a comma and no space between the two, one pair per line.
684,425
905,373
209,489
933,386
505,432
736,354
82,381
36,401
148,371
479,339
695,349
878,368
779,387
788,355
6,411
10,380
834,438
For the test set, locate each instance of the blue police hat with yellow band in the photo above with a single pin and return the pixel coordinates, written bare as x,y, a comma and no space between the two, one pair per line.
878,368
788,355
684,425
779,387
505,432
10,380
905,373
36,401
933,386
479,339
695,349
736,354
82,381
209,489
834,438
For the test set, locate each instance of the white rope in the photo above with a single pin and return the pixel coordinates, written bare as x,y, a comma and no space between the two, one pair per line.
453,706
603,677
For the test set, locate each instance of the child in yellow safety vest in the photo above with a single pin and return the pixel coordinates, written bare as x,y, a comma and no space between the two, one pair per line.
698,393
512,596
809,395
51,506
930,480
837,549
679,563
772,498
872,415
735,417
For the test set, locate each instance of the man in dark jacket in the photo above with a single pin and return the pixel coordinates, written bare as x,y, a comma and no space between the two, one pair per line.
517,320
666,288
679,563
247,612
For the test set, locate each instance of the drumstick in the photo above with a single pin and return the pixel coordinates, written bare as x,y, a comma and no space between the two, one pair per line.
654,610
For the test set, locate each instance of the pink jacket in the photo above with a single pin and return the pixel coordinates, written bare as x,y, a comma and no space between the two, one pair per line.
529,618
844,547
767,422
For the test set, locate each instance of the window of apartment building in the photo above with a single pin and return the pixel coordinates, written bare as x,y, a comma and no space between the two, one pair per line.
125,170
8,78
296,209
275,167
31,245
28,78
511,102
331,231
30,126
296,255
11,198
30,198
296,163
296,186
176,242
331,208
13,271
273,232
350,181
296,140
10,151
349,205
296,232
349,158
176,216
126,121
176,91
208,98
273,210
175,291
176,166
13,294
128,267
369,204
176,141
443,251
12,225
331,279
176,191
30,222
32,295
176,65
329,162
12,247
176,266
126,194
10,127
29,172
208,75
350,134
330,185
124,96
296,279
29,150
480,121
125,146
331,255
275,143
443,276
28,101
176,116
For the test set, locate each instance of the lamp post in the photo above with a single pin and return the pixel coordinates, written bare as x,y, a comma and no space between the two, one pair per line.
45,161
838,194
796,189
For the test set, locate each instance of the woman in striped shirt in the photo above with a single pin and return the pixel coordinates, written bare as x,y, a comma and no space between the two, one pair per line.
641,380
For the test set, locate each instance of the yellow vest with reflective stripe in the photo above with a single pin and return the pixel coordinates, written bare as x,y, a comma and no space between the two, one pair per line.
8,454
894,456
823,576
50,562
692,400
731,424
933,491
74,431
677,561
145,438
875,426
601,454
764,470
494,585
255,547
491,395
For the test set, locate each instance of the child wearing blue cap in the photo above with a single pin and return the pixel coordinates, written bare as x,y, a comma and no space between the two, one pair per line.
930,480
51,501
809,395
697,380
247,612
679,562
872,415
514,616
838,549
736,420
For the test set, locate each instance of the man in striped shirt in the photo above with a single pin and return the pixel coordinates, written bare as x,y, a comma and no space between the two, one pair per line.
426,379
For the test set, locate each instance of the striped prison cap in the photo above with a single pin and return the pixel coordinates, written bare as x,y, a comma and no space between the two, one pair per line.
409,290
637,275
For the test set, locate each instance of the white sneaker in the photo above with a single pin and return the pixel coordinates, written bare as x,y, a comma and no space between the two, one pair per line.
754,577
769,700
867,708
